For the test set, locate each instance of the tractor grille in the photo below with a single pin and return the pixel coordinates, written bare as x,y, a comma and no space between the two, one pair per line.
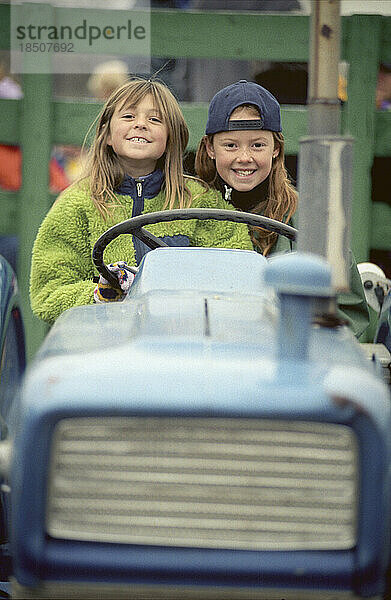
204,482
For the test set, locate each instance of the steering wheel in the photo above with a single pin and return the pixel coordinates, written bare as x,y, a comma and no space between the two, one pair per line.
135,226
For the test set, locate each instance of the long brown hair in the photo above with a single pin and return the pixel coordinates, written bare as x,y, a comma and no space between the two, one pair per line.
281,201
103,167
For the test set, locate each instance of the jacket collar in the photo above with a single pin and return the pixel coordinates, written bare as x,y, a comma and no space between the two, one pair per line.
245,201
152,184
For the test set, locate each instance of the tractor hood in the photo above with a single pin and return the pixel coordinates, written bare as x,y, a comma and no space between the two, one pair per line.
193,315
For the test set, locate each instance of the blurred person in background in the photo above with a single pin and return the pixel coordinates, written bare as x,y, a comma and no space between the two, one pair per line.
382,164
11,163
383,89
9,88
11,156
106,78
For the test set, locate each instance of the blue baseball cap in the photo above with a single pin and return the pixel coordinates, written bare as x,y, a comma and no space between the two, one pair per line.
236,94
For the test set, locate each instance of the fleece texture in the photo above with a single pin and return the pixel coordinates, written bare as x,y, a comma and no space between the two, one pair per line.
62,271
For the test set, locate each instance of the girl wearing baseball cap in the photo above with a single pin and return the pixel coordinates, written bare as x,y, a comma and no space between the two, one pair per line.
242,156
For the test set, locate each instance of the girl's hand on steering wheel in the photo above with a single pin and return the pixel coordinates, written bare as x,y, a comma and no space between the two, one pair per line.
104,292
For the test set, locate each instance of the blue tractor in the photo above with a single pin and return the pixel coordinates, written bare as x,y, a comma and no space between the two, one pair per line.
211,436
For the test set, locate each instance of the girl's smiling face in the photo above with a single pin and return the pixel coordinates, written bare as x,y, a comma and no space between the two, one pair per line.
138,135
243,158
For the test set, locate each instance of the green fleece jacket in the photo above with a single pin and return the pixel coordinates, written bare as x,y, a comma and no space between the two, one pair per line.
62,270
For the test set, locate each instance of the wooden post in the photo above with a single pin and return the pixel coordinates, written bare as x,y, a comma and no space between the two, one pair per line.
323,102
35,138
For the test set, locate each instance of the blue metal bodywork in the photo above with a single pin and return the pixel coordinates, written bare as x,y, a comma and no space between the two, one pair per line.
383,333
204,333
12,365
12,347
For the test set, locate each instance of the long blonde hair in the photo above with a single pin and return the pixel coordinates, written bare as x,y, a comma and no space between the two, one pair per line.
281,201
103,167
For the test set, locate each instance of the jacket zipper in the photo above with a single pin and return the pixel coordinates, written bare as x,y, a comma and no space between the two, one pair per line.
228,192
138,246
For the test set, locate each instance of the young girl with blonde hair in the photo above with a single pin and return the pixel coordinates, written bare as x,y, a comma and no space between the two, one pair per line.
242,157
135,166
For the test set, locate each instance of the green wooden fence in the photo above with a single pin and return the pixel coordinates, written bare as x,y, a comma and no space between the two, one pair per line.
36,122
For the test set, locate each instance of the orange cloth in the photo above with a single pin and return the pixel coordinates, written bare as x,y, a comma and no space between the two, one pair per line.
11,170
